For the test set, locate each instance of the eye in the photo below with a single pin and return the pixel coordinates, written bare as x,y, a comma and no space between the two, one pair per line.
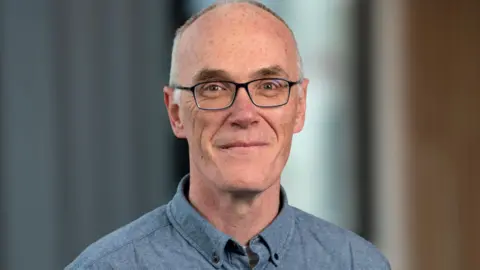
270,85
213,87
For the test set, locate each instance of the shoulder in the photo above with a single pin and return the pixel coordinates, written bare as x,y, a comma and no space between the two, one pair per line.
337,241
120,241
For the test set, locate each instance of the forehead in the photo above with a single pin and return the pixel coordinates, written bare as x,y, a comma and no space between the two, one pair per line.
237,38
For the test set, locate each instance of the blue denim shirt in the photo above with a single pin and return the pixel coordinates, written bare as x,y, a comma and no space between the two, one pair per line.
176,236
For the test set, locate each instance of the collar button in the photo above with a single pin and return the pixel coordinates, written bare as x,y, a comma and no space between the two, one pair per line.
275,256
215,258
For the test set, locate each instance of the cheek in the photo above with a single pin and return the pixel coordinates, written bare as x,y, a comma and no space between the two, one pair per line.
285,120
200,128
191,123
286,132
187,115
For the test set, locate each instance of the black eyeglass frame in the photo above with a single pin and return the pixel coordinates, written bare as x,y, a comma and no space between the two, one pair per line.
237,87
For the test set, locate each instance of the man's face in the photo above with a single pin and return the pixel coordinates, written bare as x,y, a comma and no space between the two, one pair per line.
243,148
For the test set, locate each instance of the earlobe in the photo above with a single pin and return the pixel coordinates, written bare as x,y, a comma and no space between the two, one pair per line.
299,122
179,131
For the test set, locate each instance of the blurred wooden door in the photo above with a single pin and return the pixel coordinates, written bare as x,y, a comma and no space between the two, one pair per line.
443,78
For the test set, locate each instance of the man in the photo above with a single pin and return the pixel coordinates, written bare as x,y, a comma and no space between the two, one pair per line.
237,95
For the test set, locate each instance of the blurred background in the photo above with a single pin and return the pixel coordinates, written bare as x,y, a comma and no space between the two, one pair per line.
390,149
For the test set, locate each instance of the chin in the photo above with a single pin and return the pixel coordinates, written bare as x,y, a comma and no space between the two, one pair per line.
250,181
250,172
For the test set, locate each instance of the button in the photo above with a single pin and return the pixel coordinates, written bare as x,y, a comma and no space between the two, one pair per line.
275,256
215,258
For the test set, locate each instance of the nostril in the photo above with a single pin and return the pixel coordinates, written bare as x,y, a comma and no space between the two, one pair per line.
244,123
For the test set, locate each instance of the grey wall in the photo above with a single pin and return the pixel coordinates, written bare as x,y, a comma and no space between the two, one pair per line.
85,144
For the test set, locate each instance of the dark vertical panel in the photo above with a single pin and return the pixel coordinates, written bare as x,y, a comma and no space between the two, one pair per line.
81,88
363,99
3,207
61,65
150,45
29,135
112,104
151,134
101,102
85,143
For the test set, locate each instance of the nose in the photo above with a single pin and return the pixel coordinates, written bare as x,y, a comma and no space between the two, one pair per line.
244,112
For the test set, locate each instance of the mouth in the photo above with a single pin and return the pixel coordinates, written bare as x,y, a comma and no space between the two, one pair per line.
242,145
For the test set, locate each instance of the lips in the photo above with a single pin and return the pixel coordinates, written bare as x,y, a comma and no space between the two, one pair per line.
242,144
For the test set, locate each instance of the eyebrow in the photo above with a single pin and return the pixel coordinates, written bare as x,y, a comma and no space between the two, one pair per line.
208,74
270,71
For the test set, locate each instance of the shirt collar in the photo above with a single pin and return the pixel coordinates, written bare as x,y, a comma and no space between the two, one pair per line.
278,234
211,242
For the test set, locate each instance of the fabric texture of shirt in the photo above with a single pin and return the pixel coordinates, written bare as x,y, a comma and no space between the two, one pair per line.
176,236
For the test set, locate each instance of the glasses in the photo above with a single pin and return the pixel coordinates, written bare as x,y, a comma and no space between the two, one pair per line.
219,95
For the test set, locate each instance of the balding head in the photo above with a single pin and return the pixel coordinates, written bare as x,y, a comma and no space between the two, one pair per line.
229,9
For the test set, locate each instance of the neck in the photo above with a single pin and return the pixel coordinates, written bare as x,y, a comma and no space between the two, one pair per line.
241,216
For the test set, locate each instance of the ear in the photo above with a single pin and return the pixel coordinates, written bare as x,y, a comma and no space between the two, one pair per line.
301,106
173,110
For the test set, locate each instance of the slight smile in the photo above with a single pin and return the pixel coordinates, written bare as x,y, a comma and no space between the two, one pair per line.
242,148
